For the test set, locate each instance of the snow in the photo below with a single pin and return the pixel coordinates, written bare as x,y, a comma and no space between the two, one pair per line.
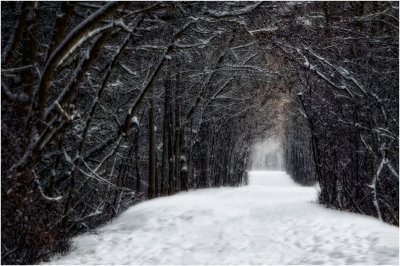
266,29
304,21
133,73
42,192
117,83
271,221
239,12
135,120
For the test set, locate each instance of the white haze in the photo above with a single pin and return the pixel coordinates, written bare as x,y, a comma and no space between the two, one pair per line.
267,155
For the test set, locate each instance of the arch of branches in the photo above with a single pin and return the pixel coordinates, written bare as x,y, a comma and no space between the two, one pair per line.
105,105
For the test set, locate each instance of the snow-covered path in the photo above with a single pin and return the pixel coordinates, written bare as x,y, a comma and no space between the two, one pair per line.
271,221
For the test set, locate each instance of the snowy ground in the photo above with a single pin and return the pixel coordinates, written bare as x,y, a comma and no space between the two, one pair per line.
271,221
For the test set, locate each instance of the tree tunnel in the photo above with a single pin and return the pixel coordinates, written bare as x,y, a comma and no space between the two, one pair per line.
105,105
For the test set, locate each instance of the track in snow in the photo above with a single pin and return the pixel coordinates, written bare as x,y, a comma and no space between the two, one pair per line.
271,221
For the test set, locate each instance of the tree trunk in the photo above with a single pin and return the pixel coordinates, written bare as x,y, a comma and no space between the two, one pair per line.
152,152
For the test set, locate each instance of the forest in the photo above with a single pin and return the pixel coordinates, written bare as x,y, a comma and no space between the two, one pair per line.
108,104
